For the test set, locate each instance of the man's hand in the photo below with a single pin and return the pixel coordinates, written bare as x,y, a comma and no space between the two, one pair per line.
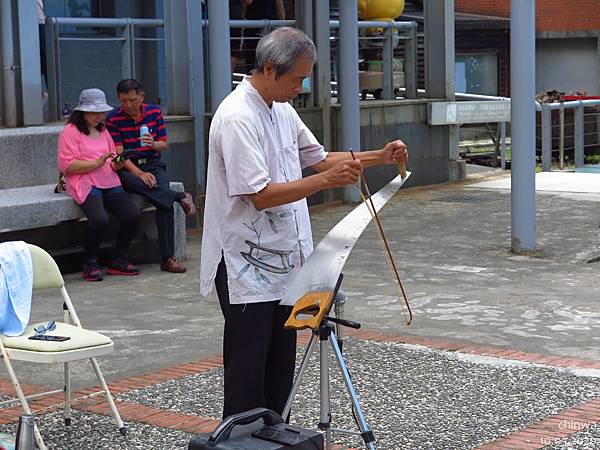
395,152
148,140
148,179
343,173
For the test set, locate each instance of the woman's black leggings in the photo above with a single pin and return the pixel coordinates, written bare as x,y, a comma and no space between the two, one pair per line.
95,206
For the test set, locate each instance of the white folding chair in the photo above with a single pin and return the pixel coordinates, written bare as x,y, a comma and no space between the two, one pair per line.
83,344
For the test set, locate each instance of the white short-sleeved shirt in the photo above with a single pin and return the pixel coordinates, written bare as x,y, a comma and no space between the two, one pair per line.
251,145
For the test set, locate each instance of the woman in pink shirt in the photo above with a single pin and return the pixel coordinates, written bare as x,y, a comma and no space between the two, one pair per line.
85,152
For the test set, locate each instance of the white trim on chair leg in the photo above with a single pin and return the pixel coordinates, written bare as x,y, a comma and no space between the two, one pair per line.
13,377
108,396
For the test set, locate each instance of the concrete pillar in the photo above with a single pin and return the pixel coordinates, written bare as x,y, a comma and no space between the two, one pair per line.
439,70
348,94
439,48
219,51
185,73
176,54
522,81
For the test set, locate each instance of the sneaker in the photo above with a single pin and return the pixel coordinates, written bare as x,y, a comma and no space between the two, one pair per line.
172,265
91,272
122,266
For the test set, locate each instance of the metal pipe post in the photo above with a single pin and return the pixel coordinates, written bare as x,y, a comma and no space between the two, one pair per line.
388,64
561,136
579,125
322,83
9,76
348,84
503,145
522,64
127,60
410,63
53,69
197,100
218,52
546,138
305,21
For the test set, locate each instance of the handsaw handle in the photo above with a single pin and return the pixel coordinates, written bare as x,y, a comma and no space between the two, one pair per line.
313,306
402,169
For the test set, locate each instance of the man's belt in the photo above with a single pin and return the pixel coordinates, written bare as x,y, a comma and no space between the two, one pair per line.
140,161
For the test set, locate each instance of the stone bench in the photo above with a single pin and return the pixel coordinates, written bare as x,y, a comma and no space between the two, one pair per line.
31,211
28,208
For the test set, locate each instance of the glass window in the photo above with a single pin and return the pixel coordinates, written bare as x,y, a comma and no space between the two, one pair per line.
477,73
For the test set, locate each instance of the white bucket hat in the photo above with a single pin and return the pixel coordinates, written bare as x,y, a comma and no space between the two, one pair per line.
92,100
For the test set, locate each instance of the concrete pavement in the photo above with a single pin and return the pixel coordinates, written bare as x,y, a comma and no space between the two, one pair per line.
452,247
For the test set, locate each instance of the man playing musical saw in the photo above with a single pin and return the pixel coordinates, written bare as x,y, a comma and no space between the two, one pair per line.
256,232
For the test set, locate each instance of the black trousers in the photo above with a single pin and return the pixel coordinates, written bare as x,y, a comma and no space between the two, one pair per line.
162,197
121,205
259,355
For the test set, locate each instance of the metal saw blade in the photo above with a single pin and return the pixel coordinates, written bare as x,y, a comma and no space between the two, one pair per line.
322,268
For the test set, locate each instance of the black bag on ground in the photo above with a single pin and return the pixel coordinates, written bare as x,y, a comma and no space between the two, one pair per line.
258,429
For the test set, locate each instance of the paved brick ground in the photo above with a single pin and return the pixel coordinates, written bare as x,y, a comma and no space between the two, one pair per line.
535,436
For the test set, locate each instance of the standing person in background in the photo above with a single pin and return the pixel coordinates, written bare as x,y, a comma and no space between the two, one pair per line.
143,172
84,152
258,10
237,11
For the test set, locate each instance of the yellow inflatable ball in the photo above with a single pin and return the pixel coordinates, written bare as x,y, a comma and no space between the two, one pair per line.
380,9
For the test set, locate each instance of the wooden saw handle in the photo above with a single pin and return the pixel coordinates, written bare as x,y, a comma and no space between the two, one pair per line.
402,169
315,305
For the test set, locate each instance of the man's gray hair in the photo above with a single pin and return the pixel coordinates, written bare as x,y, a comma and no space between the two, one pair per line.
283,47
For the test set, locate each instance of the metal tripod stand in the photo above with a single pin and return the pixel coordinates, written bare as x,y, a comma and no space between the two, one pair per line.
326,333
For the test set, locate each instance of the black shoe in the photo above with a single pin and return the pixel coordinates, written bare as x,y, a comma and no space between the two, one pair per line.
122,266
91,272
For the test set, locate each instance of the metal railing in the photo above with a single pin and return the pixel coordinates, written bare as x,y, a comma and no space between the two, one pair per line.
500,143
393,80
398,77
126,35
577,128
380,38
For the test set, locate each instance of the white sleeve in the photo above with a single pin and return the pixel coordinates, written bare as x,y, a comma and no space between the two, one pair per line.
311,151
243,156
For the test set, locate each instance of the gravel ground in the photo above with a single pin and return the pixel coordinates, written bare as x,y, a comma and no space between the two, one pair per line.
4,398
413,398
92,431
588,439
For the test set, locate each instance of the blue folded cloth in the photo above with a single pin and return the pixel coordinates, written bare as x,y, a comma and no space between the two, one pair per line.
16,284
7,441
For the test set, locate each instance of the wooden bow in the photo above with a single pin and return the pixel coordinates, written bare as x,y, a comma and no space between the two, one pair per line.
384,243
